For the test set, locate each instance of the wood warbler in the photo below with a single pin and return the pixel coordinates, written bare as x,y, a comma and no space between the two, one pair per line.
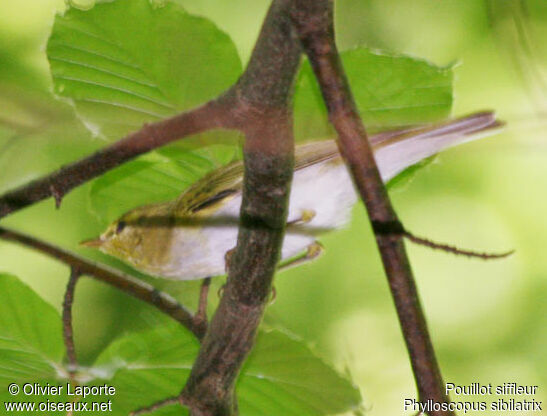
188,238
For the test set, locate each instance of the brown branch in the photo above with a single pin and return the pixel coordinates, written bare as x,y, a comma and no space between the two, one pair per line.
314,22
121,281
200,317
67,320
209,390
455,250
268,154
214,114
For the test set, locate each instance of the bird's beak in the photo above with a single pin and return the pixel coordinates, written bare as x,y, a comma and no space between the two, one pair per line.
94,243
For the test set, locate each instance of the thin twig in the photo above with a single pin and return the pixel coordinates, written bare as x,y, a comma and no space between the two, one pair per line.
314,22
455,250
67,320
121,281
200,317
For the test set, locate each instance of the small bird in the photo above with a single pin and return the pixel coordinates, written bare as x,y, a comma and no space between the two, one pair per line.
192,236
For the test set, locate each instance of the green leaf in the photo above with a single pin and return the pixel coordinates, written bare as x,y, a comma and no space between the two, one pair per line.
403,178
153,178
281,376
390,91
32,350
127,62
148,366
31,346
26,102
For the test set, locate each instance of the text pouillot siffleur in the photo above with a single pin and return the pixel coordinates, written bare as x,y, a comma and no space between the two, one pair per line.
487,389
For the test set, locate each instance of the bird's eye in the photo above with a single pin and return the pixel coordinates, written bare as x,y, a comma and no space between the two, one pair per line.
120,227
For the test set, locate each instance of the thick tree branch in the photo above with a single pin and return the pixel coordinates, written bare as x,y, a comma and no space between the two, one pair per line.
314,22
214,114
121,281
268,154
210,388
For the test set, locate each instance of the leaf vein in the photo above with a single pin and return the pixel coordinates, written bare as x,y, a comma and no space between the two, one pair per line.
123,90
106,71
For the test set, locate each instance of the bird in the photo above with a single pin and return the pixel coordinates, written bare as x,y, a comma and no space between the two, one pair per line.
192,236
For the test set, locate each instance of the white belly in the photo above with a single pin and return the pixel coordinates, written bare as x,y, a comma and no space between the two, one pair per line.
324,188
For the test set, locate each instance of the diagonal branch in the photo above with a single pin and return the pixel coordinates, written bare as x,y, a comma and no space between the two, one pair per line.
124,282
214,114
314,22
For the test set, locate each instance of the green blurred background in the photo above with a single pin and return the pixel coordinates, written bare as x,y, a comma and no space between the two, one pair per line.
488,319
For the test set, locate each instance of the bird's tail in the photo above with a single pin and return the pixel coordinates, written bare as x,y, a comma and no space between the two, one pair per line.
396,150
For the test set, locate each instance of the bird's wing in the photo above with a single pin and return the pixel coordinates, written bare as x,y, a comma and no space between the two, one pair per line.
221,183
394,150
227,181
314,152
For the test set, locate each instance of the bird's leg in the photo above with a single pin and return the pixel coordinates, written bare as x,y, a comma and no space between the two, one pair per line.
313,251
306,215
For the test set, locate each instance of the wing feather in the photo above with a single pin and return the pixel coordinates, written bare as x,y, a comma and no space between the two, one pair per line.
394,150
